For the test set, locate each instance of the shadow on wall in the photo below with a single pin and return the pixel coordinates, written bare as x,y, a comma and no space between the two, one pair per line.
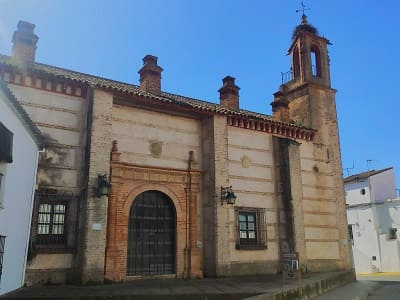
49,173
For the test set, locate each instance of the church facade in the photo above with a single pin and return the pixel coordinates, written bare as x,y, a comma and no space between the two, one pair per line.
175,166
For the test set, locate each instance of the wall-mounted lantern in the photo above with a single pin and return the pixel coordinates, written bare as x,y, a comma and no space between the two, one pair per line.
103,186
227,195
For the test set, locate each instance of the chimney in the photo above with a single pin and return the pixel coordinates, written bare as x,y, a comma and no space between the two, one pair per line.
280,107
24,44
229,93
150,75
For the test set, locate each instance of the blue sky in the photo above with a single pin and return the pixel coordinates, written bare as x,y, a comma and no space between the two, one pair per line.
200,42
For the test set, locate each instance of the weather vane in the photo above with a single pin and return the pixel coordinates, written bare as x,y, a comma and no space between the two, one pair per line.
303,8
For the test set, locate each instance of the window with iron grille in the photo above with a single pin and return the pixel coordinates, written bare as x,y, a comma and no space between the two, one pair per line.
52,211
251,232
2,242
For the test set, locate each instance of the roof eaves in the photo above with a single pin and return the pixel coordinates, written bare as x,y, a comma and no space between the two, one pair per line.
364,175
165,97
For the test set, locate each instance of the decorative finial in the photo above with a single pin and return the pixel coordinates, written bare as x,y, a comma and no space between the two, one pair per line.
114,146
303,9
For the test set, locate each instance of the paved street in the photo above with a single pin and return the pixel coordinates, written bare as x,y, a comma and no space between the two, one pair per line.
388,285
388,290
232,288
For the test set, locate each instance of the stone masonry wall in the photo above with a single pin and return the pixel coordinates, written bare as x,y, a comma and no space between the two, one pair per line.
325,219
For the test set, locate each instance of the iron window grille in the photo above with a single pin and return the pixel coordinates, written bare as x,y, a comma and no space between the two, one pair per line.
52,216
251,231
2,243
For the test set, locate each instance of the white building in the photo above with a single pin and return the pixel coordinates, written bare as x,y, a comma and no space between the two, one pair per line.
20,142
373,213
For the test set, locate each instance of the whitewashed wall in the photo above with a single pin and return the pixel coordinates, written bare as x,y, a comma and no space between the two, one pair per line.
353,192
383,186
365,240
18,189
371,226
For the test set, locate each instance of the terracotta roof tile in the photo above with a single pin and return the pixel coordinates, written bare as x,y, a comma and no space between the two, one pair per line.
165,97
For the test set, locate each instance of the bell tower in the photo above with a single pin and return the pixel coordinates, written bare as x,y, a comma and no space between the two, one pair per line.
311,173
307,86
309,55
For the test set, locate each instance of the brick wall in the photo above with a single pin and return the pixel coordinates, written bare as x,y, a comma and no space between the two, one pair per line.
95,215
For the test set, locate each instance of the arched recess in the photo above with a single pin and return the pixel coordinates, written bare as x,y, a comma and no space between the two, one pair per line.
316,67
151,235
296,62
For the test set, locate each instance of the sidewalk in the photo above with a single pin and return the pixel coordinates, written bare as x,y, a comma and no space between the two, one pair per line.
359,290
234,288
380,276
353,291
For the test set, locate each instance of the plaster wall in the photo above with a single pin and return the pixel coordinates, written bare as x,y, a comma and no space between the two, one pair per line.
251,165
365,240
383,186
149,138
354,194
51,261
17,191
62,120
371,236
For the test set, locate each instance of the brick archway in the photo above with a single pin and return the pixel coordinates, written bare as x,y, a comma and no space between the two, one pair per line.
128,181
151,186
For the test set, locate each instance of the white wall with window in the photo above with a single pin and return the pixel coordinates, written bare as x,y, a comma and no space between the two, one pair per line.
18,165
373,214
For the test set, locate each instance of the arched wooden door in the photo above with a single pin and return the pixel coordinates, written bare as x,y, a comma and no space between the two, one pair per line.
151,235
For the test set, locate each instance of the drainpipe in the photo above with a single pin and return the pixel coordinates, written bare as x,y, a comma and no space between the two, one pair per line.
187,268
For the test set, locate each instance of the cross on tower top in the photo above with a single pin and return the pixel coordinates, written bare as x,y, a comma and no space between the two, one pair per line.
303,8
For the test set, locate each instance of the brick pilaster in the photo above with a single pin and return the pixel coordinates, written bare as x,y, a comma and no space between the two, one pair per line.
95,226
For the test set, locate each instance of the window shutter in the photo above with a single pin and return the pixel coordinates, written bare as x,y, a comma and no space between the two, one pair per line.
6,144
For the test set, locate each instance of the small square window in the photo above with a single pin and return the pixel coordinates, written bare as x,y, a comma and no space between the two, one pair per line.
251,228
